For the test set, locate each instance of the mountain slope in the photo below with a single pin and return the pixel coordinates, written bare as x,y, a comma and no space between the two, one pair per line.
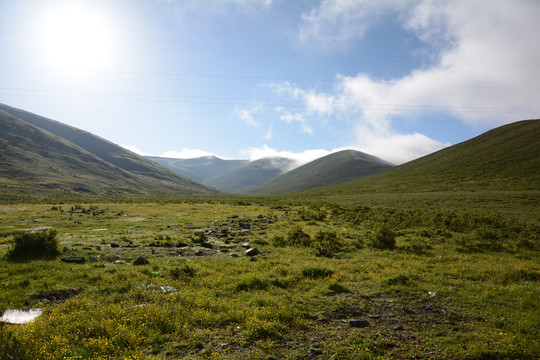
102,148
252,173
505,158
35,163
336,168
199,169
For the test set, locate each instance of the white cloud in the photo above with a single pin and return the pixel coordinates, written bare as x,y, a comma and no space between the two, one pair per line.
246,115
301,157
269,134
186,154
291,118
335,22
394,147
486,70
134,149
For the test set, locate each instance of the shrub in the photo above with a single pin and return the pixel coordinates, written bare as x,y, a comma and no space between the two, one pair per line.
297,237
34,245
327,243
382,237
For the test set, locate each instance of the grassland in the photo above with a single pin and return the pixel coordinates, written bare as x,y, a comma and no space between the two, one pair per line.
458,283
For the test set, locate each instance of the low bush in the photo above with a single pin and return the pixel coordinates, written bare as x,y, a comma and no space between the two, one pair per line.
382,237
34,245
327,243
297,237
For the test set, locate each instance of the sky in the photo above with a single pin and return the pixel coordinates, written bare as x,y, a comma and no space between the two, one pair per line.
242,79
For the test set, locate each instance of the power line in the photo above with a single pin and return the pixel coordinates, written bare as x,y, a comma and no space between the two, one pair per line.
251,77
190,99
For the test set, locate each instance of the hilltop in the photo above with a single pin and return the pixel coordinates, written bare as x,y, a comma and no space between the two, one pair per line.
336,168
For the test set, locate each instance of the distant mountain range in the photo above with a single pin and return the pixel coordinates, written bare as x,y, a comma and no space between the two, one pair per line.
276,175
228,175
42,157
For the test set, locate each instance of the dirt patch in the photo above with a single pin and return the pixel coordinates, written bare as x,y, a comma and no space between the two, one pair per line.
58,295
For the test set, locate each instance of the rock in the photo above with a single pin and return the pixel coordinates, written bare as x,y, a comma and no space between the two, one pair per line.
253,258
245,245
74,259
233,255
115,244
398,327
141,260
315,351
92,259
252,252
374,316
98,248
359,323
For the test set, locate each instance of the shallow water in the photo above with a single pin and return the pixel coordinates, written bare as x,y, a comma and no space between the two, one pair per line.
20,316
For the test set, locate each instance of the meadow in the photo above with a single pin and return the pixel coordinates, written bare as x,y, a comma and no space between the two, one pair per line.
330,280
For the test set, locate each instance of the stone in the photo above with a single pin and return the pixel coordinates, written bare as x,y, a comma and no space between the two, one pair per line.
252,252
233,255
115,244
246,245
374,316
141,260
98,248
359,323
315,351
74,259
92,259
253,258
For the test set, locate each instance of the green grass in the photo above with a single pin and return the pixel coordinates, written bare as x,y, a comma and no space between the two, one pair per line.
456,284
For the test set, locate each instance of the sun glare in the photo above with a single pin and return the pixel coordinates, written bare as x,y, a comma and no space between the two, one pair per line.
76,38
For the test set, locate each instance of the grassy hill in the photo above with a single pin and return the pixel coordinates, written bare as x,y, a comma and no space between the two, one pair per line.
505,158
36,163
251,173
494,172
200,169
336,168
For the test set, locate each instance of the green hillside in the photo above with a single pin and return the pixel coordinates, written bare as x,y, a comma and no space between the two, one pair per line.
505,158
336,168
36,163
102,148
251,173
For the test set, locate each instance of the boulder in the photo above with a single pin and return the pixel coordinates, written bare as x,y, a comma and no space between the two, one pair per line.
359,323
74,259
141,260
252,252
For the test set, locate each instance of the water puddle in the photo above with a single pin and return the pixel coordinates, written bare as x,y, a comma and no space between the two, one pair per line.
20,316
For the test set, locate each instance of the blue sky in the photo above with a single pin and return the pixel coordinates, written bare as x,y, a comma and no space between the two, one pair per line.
247,79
